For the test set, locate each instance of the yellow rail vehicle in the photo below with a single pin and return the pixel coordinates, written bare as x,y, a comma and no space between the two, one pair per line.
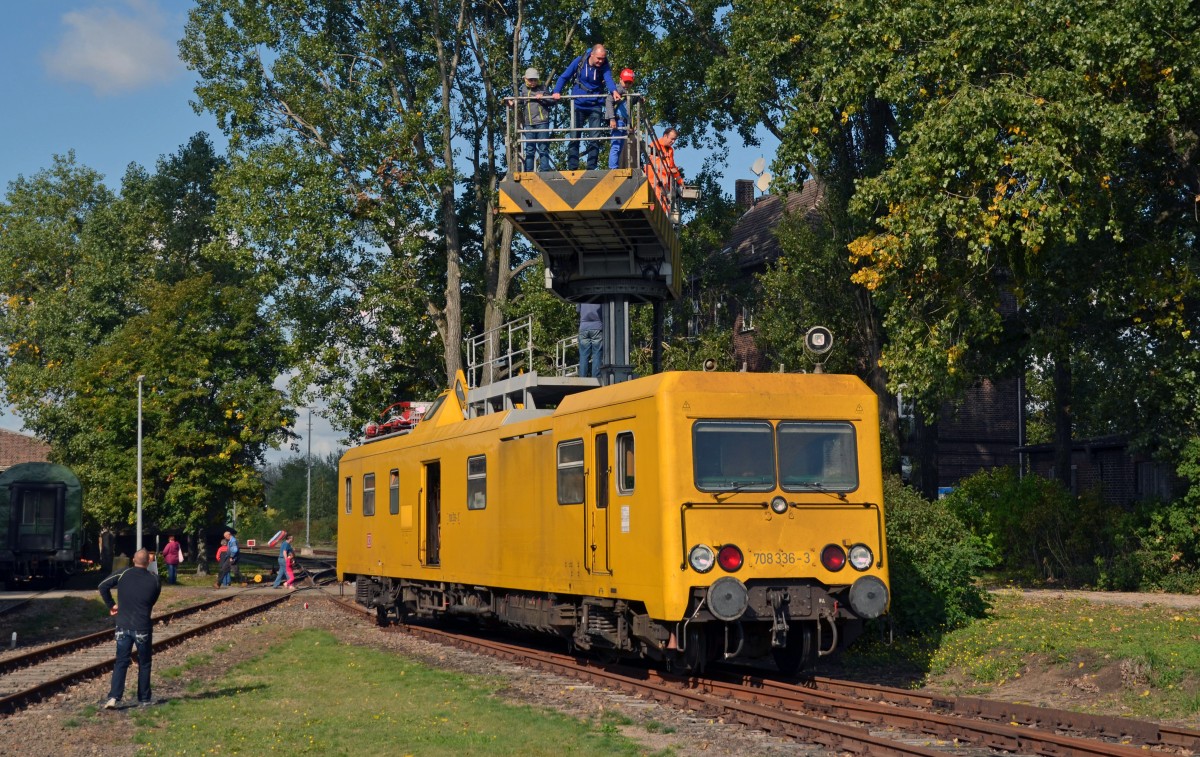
683,517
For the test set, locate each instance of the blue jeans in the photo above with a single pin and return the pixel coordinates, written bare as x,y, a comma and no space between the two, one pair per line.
536,141
280,574
125,642
584,119
618,143
171,572
591,348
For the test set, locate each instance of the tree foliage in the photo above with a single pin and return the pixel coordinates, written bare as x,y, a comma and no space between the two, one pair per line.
102,288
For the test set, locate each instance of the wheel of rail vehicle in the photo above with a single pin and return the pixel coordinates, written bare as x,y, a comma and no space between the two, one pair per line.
800,651
693,658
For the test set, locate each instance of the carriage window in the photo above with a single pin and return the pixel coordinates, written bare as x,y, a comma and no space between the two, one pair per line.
817,455
349,493
477,482
625,467
733,456
570,472
368,494
394,492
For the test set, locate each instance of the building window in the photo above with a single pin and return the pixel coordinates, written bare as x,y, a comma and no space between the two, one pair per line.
394,492
349,493
747,318
477,482
368,494
625,463
570,472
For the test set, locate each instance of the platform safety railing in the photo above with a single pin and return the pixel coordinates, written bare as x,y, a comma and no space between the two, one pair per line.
500,353
566,356
640,150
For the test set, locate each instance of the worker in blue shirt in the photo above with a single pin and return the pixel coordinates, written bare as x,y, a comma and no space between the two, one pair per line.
285,546
592,76
233,555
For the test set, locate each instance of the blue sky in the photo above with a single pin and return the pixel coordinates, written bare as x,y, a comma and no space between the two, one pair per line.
103,78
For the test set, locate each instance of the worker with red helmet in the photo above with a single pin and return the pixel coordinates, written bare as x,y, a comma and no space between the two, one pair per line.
618,121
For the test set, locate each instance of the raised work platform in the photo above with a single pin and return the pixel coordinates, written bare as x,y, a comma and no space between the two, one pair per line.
600,232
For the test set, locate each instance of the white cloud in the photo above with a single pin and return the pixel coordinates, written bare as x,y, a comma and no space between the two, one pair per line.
115,50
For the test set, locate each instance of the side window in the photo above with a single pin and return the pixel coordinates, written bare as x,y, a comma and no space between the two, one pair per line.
570,472
477,482
625,466
394,492
368,494
349,493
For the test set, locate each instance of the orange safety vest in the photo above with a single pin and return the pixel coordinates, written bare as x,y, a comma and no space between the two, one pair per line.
663,160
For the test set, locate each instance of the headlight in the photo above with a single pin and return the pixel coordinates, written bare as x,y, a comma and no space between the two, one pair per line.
701,558
861,557
779,505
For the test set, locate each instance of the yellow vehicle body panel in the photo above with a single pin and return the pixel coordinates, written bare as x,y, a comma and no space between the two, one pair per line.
634,548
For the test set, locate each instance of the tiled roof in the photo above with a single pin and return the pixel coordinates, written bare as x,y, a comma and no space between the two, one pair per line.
753,240
18,448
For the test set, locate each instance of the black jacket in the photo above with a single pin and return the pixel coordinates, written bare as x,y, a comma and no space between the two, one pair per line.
137,591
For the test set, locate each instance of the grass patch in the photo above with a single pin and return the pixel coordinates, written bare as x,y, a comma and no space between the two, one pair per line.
53,618
1149,654
310,694
192,662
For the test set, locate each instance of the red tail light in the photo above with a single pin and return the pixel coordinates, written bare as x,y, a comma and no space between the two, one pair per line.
730,558
833,558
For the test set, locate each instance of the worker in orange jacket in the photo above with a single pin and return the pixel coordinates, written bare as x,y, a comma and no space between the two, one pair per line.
662,163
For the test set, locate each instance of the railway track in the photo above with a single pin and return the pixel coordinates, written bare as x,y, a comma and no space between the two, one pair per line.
30,677
851,717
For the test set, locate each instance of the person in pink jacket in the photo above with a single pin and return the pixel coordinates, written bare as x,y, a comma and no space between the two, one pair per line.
172,556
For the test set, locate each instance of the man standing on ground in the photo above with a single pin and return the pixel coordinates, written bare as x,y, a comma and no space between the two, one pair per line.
234,558
137,591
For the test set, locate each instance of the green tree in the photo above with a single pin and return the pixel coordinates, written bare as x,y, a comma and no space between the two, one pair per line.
287,495
1045,153
102,288
367,142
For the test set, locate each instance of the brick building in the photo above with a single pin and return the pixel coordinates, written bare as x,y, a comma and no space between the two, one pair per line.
19,448
1105,464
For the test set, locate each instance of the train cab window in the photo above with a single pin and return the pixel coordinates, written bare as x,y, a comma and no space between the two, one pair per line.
625,466
368,494
394,491
817,455
570,472
349,493
477,482
733,456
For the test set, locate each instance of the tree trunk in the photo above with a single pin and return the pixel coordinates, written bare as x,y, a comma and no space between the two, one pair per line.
1062,418
201,553
106,550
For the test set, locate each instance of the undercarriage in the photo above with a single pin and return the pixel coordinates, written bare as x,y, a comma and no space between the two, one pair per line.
792,622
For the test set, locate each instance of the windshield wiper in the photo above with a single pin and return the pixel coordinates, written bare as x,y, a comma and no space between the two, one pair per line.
818,486
734,487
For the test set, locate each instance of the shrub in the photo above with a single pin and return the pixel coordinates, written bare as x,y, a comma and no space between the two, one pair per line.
1162,551
934,560
1034,528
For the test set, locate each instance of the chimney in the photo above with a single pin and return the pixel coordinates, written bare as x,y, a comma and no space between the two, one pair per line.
743,193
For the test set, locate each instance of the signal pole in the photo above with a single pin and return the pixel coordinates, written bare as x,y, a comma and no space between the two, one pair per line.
308,483
140,379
